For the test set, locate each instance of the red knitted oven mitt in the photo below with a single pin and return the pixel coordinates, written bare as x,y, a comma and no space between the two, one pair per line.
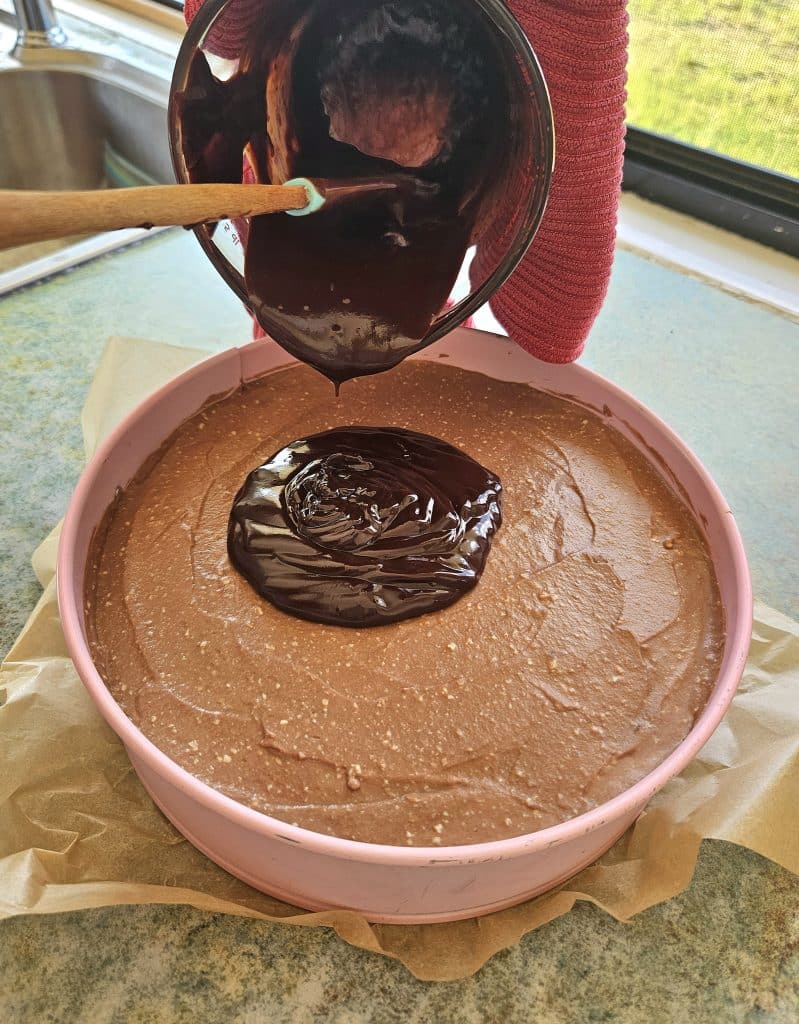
550,302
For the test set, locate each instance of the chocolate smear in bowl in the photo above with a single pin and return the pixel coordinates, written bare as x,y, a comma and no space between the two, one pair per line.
357,91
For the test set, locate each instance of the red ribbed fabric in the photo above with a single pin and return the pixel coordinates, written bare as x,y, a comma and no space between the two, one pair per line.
227,37
550,303
552,299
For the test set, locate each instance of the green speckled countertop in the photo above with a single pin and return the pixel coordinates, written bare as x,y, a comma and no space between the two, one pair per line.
722,372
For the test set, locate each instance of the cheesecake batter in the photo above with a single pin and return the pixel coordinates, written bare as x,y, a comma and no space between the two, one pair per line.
577,663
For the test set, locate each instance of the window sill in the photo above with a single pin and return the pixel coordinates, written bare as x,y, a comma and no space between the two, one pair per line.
734,264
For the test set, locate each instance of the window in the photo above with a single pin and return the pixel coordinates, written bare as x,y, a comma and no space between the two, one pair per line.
719,74
713,113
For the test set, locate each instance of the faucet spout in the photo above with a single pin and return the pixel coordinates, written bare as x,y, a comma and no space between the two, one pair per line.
37,25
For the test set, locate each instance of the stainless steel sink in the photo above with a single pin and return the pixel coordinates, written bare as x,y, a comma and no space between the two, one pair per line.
76,119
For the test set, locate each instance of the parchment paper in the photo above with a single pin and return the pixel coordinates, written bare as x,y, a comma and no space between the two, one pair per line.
78,830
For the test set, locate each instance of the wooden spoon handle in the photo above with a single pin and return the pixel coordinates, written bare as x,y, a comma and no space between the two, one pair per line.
37,216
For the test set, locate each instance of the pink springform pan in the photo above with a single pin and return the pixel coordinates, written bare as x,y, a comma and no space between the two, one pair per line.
390,883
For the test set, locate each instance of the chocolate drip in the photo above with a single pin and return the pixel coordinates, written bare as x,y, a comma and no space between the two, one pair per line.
354,91
361,526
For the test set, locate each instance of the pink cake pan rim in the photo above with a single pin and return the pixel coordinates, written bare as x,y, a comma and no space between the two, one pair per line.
545,377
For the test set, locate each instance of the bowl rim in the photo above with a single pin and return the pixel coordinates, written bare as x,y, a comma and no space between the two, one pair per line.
504,24
737,637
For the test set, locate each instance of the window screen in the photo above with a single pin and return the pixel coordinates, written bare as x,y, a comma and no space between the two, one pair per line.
719,74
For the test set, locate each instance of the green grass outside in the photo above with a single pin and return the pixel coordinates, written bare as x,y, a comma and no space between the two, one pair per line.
720,74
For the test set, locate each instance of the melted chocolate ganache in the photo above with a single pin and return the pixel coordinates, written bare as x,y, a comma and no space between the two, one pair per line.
361,526
346,92
358,526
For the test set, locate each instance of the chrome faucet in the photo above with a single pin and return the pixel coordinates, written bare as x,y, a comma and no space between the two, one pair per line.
37,25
